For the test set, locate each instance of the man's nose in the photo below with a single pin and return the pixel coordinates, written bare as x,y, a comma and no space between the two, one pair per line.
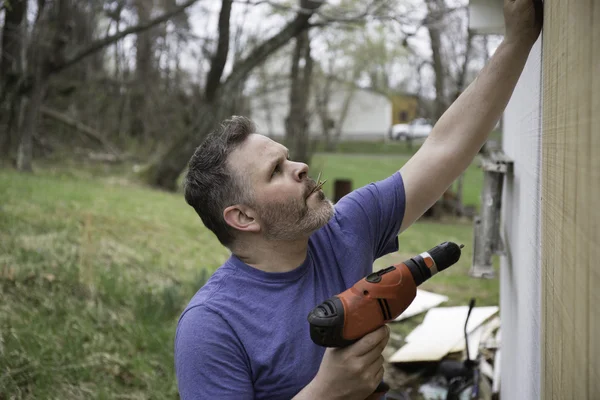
300,171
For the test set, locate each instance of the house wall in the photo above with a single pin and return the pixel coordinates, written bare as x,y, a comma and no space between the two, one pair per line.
570,194
520,276
369,116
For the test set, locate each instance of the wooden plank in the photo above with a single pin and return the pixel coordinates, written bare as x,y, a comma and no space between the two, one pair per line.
570,189
565,304
425,343
552,189
548,221
551,185
593,213
580,97
423,301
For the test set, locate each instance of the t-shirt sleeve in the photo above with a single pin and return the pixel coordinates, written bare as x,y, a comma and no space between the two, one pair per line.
369,218
210,362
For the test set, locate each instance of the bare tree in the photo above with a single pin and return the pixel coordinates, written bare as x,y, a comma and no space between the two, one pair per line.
145,72
435,29
50,52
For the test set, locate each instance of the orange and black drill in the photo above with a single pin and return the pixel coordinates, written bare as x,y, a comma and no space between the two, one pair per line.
377,299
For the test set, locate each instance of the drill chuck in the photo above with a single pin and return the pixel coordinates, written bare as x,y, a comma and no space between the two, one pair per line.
445,255
429,263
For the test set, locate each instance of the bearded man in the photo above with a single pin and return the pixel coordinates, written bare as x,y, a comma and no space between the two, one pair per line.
245,335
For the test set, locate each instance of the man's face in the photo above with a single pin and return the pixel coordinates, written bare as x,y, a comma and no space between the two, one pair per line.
280,190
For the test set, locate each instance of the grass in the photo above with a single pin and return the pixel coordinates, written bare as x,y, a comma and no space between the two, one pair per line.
93,277
370,147
362,169
95,270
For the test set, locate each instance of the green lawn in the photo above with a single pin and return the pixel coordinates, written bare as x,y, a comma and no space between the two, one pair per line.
94,271
362,169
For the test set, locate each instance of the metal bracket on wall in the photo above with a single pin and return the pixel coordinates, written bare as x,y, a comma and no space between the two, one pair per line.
487,240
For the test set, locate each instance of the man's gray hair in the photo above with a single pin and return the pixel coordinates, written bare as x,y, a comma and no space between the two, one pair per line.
209,185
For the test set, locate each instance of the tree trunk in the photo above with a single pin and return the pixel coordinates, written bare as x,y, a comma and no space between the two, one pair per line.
32,112
462,76
322,96
267,106
164,172
435,7
213,79
11,72
297,133
54,24
343,114
458,206
10,125
144,67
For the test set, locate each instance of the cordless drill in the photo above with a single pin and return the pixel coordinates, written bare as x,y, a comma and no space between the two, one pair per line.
377,299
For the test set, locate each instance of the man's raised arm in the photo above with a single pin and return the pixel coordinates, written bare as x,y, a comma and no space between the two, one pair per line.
463,129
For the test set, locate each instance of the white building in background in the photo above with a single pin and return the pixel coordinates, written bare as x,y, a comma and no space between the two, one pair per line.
369,115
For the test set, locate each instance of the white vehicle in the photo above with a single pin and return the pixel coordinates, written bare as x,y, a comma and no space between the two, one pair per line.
417,129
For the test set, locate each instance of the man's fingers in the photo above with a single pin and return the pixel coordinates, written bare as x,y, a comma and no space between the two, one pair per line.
376,369
371,341
380,373
376,351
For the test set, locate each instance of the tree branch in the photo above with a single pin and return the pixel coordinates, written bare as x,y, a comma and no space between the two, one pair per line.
79,126
220,58
372,8
462,76
310,7
106,41
307,7
260,53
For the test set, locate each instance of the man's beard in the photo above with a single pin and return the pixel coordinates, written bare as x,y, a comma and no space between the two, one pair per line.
293,220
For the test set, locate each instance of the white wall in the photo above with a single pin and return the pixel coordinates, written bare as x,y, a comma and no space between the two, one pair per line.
369,115
520,277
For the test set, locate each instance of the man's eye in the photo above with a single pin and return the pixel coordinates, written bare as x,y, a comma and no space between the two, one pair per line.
276,170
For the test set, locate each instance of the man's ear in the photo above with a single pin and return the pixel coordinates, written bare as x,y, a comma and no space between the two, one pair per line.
242,218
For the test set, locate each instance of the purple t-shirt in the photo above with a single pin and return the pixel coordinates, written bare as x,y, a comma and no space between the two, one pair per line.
245,334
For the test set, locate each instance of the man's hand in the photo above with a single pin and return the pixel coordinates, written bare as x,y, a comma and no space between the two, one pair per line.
352,372
355,371
523,20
